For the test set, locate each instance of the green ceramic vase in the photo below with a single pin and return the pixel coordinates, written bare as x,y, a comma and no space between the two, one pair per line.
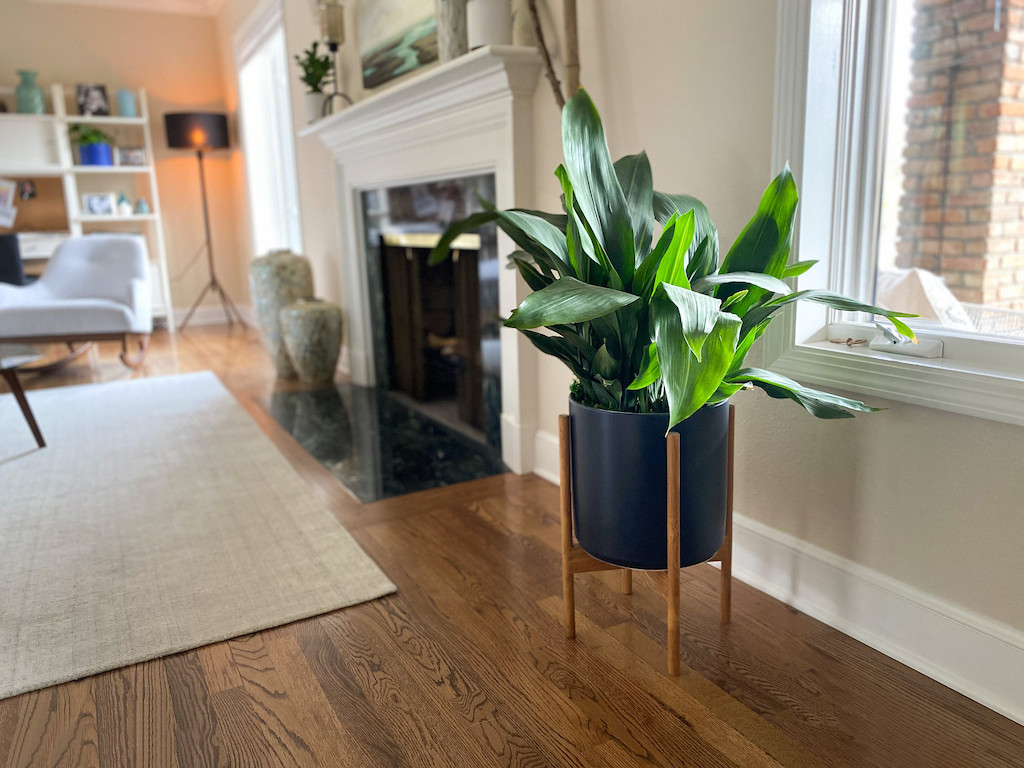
28,94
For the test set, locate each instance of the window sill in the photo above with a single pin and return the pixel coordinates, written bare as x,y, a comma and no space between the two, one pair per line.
933,383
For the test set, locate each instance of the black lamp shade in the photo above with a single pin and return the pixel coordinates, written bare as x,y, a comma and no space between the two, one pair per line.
196,130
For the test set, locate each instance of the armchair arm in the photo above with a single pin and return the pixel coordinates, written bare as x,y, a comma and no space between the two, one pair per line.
141,293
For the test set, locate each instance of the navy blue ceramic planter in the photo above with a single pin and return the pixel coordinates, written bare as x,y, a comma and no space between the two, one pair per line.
619,484
96,154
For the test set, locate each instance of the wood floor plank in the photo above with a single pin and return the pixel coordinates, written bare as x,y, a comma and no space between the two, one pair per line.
135,717
218,667
57,728
198,739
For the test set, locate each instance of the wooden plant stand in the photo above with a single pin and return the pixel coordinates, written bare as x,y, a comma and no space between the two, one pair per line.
576,560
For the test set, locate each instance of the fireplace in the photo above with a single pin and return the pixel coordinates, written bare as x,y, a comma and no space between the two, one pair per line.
436,328
471,118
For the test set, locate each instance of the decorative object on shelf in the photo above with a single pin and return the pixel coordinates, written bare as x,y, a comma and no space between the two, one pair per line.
275,281
488,22
142,206
26,189
94,146
656,333
452,37
28,94
395,37
315,68
124,205
126,106
201,132
92,100
523,32
312,335
104,204
131,156
8,213
332,32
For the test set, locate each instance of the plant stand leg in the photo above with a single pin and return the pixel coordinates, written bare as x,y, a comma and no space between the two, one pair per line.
672,577
565,479
627,581
726,550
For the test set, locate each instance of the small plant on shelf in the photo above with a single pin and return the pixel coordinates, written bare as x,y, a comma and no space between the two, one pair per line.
94,146
315,68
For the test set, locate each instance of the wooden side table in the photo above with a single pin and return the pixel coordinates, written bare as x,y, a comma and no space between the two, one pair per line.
12,358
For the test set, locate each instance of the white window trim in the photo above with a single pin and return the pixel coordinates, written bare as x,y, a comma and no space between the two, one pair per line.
835,169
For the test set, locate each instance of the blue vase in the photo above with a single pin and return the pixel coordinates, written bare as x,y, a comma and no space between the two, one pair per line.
95,154
126,103
28,94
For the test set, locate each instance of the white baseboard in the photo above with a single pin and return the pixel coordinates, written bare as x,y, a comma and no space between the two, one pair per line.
545,456
978,657
213,314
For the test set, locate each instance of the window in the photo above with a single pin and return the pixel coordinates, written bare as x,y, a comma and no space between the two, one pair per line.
902,121
265,117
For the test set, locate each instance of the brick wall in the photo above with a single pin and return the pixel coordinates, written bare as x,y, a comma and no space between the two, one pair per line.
962,210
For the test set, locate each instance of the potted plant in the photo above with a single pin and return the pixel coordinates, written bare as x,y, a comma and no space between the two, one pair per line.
315,70
94,146
656,329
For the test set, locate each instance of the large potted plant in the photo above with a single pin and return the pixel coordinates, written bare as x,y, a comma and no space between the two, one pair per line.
315,68
656,330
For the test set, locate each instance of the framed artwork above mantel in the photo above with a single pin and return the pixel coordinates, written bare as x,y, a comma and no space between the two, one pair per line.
396,37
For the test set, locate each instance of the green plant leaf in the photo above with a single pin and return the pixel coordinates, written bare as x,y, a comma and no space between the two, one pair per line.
829,299
574,244
698,314
821,404
650,370
605,366
596,185
769,283
690,382
643,280
522,262
733,299
634,175
763,245
702,262
557,347
798,268
704,227
566,301
672,268
468,224
542,232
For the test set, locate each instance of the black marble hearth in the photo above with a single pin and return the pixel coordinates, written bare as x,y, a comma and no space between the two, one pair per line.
378,446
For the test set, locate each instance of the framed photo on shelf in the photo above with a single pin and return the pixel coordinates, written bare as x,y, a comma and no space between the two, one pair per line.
131,156
92,100
8,189
99,204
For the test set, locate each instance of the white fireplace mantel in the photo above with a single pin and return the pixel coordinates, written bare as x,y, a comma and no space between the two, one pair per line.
472,115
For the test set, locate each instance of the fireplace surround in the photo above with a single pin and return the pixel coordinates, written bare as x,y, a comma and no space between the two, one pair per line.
471,116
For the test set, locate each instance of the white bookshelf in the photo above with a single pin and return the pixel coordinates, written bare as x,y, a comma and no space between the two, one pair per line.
39,146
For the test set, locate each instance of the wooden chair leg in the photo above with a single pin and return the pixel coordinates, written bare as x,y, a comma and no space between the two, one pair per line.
11,377
565,480
726,589
672,577
627,581
136,360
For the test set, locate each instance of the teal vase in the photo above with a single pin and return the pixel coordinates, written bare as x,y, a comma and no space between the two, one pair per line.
29,95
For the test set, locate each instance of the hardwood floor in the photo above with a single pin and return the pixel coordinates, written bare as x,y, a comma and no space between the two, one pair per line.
468,665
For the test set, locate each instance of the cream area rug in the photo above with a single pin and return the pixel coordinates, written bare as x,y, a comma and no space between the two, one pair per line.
158,518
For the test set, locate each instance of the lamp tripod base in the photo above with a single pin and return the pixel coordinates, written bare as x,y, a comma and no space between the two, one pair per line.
230,310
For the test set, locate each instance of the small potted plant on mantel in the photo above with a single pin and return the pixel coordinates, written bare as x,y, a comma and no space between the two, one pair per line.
94,146
656,331
315,69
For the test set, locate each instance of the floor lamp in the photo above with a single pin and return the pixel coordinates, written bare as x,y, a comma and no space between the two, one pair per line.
202,131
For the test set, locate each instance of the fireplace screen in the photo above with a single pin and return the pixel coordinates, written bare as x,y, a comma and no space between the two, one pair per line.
436,329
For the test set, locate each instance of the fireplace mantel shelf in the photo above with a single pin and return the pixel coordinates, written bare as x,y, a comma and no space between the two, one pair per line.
487,73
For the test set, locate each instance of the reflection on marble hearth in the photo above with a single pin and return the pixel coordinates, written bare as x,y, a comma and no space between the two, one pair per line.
377,446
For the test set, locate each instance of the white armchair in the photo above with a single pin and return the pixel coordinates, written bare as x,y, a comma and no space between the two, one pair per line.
94,288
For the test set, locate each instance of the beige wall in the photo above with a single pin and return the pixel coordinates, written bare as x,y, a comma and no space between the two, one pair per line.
932,499
176,58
